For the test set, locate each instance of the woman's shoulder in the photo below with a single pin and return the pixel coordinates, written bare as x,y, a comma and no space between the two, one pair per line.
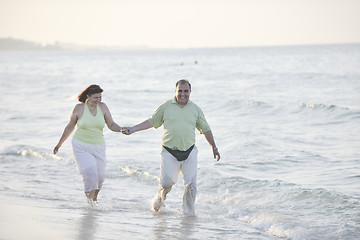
104,108
78,110
79,107
102,105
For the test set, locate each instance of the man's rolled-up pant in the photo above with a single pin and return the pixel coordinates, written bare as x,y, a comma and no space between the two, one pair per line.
170,168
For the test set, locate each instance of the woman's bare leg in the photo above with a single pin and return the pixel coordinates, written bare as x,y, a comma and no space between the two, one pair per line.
92,195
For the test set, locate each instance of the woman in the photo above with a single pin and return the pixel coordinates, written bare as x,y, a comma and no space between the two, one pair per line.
88,142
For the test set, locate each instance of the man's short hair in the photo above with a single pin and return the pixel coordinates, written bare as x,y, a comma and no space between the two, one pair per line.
183,81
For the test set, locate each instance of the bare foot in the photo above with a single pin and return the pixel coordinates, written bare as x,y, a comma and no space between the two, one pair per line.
157,204
91,203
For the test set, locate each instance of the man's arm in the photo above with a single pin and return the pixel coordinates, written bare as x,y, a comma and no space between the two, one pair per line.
210,138
139,127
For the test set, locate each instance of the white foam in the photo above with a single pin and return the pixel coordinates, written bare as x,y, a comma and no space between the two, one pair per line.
131,172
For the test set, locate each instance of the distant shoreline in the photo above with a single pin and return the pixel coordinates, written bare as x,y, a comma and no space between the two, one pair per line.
14,44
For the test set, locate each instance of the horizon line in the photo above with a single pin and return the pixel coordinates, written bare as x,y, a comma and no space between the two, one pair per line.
79,46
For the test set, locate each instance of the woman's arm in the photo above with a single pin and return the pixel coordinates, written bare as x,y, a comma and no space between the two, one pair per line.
68,129
113,126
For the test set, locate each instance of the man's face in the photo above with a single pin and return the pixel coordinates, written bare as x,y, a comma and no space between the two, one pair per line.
182,94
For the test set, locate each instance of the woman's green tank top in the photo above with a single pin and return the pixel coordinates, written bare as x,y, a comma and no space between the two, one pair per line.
90,128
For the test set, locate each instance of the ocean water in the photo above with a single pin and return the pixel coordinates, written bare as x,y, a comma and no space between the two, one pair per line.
285,119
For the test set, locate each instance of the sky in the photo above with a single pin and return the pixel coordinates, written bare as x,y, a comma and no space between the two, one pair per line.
181,23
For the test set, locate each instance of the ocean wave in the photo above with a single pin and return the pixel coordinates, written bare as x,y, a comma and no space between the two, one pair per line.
267,223
350,115
328,113
29,152
235,105
322,113
248,103
320,106
139,175
284,209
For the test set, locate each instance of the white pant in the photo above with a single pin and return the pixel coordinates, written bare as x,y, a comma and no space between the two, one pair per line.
169,171
91,162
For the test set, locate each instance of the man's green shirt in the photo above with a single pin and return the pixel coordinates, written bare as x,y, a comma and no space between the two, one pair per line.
179,124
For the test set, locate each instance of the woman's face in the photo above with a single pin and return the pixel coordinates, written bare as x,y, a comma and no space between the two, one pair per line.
94,98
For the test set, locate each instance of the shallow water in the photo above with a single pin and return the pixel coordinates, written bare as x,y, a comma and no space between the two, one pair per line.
286,121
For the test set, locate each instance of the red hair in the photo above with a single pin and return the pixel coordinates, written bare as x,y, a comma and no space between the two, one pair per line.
90,90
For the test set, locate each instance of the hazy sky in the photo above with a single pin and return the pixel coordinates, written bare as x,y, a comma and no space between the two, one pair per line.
182,23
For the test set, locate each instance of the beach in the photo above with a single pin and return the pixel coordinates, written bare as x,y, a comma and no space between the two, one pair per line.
285,119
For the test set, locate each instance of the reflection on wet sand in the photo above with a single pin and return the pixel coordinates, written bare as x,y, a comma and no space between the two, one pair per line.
174,228
88,224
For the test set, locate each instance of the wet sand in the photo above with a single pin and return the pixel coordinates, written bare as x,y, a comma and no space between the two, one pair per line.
24,220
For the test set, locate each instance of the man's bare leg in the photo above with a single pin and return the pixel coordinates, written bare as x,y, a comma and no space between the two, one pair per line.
159,201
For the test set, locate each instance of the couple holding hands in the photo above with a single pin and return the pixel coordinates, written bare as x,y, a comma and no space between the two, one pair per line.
179,117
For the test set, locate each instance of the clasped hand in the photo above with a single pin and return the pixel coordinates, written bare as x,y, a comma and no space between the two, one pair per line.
126,130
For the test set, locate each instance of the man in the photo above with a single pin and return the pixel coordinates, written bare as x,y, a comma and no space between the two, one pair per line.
180,117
